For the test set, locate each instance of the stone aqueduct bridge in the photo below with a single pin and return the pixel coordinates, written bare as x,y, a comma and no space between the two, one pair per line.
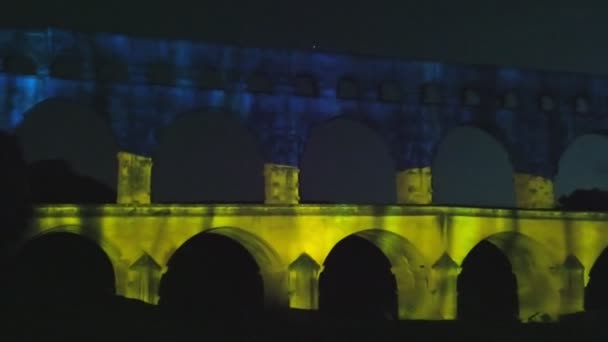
141,85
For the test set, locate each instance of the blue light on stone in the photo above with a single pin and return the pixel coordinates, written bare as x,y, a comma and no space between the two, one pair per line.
138,109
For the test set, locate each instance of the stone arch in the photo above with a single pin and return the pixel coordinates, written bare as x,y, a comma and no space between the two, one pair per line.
347,161
467,163
59,129
255,256
405,264
581,166
536,273
208,157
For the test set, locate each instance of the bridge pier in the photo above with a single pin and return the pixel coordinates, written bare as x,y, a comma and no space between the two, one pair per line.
414,186
573,286
134,179
533,192
275,289
445,292
304,283
281,184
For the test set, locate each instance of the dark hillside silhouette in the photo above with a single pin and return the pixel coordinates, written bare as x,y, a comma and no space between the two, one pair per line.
585,200
54,181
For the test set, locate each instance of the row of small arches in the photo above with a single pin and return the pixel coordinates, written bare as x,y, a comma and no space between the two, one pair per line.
67,67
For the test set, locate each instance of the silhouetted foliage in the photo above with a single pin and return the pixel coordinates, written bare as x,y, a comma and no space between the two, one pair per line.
213,277
53,181
487,287
15,206
585,200
357,282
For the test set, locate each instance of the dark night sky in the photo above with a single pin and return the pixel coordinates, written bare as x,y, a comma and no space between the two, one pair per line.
345,162
554,34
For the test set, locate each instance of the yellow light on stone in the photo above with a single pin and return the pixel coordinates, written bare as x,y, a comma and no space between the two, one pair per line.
414,186
533,192
413,238
281,184
134,176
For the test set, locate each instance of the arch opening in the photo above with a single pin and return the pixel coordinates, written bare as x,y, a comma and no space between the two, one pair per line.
532,295
60,272
596,296
487,286
582,168
346,162
221,273
468,162
19,64
375,274
357,282
208,158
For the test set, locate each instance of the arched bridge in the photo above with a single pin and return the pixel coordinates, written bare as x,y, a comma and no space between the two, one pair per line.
138,87
548,250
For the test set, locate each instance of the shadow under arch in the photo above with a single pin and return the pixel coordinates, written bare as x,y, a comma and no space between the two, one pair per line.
62,129
596,291
86,232
112,251
469,161
223,273
61,272
347,160
375,274
531,293
206,156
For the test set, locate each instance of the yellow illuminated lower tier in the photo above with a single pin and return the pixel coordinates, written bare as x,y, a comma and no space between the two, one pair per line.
425,246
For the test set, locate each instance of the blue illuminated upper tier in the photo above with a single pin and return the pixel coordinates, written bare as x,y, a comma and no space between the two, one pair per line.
145,84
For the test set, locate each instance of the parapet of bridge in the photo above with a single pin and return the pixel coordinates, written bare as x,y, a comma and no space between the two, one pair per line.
143,84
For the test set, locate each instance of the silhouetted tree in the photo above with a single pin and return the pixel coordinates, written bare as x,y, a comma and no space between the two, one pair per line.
585,200
15,207
54,181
